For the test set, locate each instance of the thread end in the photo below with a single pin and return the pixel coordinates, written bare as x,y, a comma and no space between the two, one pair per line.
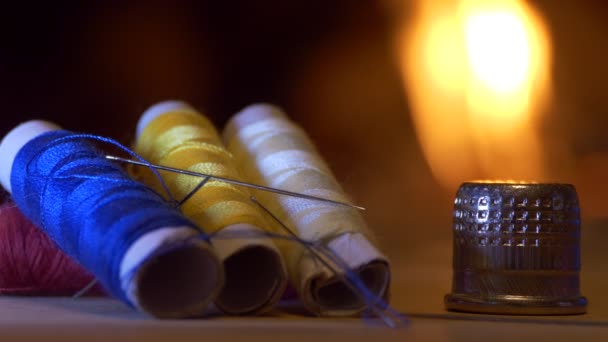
14,140
158,109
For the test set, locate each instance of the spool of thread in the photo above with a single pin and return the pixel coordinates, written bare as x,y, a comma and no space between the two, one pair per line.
139,248
273,151
31,264
173,134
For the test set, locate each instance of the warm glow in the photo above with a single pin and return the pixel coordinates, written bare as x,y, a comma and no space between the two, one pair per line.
476,73
498,49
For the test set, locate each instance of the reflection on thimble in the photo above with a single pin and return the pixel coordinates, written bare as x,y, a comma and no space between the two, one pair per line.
516,249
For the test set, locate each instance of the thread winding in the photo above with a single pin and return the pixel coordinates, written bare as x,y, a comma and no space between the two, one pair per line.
273,151
95,213
175,135
186,140
30,262
120,230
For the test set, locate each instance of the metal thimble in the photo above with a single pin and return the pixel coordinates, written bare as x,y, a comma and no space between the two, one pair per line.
516,249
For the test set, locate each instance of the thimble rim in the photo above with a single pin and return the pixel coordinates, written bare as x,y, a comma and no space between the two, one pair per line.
509,183
508,305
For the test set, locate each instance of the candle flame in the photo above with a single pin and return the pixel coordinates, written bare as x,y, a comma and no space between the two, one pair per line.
476,73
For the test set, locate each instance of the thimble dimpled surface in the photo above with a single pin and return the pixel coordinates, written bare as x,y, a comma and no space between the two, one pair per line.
516,249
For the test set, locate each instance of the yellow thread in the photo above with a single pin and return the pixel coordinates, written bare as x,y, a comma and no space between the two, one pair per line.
187,140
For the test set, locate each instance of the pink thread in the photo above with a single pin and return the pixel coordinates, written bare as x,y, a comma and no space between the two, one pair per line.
31,264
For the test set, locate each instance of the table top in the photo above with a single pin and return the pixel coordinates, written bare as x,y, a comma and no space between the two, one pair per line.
421,277
95,319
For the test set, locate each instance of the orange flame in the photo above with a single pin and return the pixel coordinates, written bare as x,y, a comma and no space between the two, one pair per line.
476,73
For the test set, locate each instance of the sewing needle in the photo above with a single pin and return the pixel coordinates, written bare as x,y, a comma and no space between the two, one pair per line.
233,181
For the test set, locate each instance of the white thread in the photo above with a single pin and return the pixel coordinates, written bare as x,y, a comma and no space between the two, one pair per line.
278,162
14,141
273,151
266,126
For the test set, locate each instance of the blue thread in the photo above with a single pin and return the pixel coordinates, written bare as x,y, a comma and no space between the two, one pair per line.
110,141
88,205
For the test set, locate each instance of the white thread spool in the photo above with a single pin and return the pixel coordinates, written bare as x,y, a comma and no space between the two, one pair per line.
150,288
255,271
273,151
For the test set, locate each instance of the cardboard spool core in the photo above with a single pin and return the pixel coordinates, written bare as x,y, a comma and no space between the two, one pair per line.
254,276
179,283
335,295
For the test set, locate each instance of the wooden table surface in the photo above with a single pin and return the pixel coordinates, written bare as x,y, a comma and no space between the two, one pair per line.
422,277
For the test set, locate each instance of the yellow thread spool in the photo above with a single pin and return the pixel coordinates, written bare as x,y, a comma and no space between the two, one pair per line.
273,151
174,134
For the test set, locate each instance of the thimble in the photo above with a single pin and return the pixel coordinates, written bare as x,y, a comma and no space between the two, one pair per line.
516,249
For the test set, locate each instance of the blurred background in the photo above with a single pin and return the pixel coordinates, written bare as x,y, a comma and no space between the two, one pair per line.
405,99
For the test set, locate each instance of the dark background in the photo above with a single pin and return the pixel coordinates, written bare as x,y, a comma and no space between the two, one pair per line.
332,65
96,67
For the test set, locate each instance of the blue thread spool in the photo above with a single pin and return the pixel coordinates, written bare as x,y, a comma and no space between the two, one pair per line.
142,250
